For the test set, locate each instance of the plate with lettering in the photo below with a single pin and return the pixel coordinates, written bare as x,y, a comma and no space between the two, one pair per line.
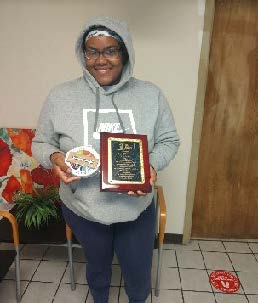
83,160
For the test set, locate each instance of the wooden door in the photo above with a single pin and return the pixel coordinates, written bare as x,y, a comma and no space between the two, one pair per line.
226,197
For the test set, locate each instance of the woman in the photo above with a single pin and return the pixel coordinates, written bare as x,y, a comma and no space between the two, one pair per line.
107,98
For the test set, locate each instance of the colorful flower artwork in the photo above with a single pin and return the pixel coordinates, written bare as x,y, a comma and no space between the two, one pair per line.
19,171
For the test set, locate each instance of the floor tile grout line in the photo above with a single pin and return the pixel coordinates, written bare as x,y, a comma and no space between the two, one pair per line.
43,260
21,247
175,251
252,252
216,292
237,241
236,274
44,253
29,282
202,269
237,252
42,282
58,287
166,289
186,267
171,289
202,291
87,295
26,280
119,290
48,247
77,283
207,272
232,252
225,240
181,288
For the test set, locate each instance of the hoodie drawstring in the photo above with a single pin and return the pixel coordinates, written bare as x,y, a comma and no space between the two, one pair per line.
97,111
118,115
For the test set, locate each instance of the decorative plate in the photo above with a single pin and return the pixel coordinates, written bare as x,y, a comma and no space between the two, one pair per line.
83,160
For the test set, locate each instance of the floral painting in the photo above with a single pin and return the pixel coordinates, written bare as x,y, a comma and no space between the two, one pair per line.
19,171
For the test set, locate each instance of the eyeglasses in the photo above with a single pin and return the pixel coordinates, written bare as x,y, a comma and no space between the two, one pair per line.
108,53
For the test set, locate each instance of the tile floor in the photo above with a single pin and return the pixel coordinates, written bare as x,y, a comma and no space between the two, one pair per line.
185,274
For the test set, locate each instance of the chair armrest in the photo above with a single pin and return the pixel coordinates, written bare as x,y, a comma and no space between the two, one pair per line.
162,214
14,224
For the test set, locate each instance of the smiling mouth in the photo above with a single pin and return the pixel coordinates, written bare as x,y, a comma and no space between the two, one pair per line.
102,71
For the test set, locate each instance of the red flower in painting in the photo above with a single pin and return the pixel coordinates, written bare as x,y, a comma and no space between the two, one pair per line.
5,158
26,181
11,187
45,177
21,139
29,132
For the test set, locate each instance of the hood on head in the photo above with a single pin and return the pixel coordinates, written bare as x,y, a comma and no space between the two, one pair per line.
118,26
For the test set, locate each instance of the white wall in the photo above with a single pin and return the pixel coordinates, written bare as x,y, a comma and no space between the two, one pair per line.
37,51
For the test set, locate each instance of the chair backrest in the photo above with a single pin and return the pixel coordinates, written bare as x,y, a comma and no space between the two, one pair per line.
14,225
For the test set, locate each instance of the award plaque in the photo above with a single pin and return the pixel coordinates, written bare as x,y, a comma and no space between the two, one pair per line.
124,162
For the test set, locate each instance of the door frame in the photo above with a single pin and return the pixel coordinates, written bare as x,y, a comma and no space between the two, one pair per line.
198,116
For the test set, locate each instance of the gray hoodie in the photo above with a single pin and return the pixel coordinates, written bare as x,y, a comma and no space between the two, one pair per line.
67,120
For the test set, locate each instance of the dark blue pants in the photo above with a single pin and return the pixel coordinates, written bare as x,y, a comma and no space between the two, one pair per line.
131,241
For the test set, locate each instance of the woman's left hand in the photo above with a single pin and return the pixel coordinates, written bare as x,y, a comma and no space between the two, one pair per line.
153,179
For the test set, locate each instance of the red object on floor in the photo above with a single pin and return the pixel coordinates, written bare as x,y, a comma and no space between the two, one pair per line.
224,281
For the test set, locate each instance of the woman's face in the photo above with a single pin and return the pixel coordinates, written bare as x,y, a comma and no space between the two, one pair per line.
104,59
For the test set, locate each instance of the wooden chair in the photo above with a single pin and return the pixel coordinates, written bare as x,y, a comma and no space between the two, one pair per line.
160,232
161,218
69,237
13,222
57,233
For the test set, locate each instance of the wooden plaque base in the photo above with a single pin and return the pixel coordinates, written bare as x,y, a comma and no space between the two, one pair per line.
124,164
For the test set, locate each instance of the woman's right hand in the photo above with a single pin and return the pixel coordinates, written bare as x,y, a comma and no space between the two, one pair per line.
61,169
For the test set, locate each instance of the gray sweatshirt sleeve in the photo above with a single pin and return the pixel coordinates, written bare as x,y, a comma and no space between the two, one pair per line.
46,140
166,139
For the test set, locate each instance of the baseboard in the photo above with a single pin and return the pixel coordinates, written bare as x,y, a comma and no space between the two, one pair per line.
173,238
